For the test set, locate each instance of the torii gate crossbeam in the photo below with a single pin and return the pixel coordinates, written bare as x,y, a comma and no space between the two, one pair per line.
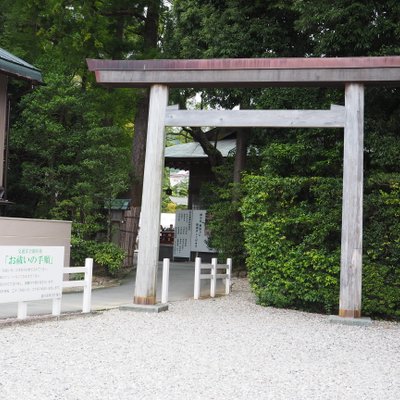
159,75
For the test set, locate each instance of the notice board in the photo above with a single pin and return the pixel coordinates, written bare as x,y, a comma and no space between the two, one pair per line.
191,234
199,237
182,234
30,273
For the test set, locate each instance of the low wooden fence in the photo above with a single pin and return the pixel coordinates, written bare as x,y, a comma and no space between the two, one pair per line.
212,275
86,283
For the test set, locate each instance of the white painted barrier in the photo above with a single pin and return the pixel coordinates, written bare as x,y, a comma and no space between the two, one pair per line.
86,283
212,276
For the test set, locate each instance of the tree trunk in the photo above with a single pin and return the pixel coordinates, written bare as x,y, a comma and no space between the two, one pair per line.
214,155
129,234
241,154
127,239
139,148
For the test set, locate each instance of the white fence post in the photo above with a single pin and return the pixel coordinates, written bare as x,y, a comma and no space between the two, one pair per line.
22,309
56,308
197,268
87,289
213,283
213,275
165,281
229,275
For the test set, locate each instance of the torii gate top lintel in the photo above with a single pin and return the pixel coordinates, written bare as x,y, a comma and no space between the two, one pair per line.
248,72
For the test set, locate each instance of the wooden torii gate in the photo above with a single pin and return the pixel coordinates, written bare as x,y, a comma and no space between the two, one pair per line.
159,75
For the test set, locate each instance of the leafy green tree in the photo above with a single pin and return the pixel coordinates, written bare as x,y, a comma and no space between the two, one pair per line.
62,157
350,28
70,140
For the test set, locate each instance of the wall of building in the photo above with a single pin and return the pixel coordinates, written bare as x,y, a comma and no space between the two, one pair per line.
36,232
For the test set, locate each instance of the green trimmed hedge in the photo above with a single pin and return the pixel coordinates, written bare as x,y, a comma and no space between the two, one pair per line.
292,237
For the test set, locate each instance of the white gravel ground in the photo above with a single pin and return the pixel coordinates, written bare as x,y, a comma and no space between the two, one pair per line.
226,348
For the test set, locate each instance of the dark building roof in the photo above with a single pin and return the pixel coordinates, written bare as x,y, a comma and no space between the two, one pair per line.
193,151
119,204
182,155
18,68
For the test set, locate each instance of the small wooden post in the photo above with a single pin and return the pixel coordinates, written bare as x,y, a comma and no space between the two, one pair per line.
87,289
165,281
3,124
351,247
228,275
56,307
197,272
213,282
22,310
149,235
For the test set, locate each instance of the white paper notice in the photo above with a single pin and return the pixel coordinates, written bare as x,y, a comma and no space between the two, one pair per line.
199,232
182,235
30,273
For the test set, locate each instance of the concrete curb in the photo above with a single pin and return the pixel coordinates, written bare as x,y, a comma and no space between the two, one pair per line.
335,319
156,308
34,319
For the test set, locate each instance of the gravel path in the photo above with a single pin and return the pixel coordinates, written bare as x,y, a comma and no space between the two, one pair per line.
224,348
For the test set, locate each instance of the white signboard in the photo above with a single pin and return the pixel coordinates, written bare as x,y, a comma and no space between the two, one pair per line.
30,273
199,232
182,234
191,233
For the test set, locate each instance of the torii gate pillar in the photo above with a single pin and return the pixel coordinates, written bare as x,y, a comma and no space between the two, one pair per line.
149,234
352,210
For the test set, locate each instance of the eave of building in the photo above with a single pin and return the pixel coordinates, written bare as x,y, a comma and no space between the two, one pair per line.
15,67
186,154
253,72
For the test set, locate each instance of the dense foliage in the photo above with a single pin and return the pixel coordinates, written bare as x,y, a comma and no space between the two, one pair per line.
71,141
222,199
292,233
292,242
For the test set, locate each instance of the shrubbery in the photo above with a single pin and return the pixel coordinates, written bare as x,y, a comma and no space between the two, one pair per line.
222,199
107,255
292,236
381,271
